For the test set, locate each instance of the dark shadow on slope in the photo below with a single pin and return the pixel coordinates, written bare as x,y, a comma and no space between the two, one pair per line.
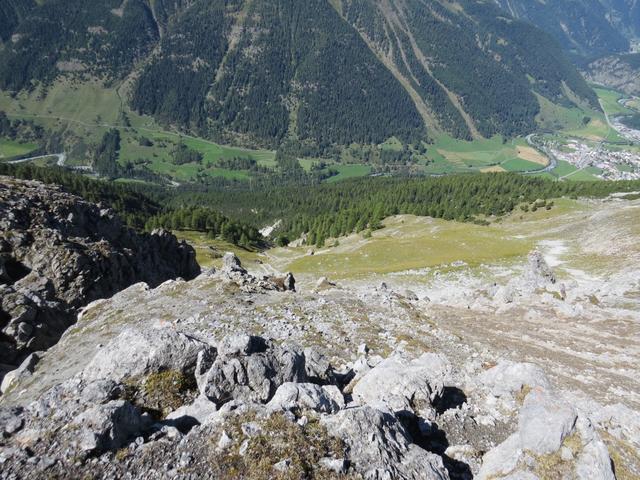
434,439
452,397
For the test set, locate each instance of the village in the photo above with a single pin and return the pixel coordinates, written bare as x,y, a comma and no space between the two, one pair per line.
612,164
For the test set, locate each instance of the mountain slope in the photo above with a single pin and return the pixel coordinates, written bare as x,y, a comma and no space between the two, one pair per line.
621,72
584,27
476,63
12,12
272,61
311,74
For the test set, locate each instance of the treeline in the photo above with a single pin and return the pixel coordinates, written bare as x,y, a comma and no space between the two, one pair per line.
242,163
139,206
22,130
331,210
208,221
105,160
106,164
182,155
320,211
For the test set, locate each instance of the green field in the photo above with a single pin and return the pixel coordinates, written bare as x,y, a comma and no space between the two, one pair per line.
349,171
609,99
571,121
586,174
450,155
11,148
566,171
520,165
563,169
406,243
89,109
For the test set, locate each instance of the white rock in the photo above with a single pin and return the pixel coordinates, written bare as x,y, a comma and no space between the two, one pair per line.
380,448
509,377
404,386
544,422
194,414
137,352
25,370
225,441
307,395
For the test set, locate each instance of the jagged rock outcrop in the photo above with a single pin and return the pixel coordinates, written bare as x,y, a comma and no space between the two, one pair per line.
381,448
248,368
226,376
254,410
58,253
232,270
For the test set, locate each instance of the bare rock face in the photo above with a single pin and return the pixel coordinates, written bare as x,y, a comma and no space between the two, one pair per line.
248,368
138,352
381,448
58,253
404,387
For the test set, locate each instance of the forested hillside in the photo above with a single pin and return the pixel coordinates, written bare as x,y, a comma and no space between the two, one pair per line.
319,212
585,27
12,12
475,72
303,75
73,36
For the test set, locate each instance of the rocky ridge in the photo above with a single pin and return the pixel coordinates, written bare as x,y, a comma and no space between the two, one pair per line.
229,376
58,253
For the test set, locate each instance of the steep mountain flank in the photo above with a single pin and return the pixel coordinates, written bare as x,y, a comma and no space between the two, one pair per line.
621,72
313,73
58,253
584,27
12,13
474,67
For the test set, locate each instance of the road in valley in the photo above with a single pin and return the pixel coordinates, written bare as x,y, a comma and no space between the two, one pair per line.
61,159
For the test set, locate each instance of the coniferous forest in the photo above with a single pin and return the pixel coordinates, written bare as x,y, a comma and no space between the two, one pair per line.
306,75
319,211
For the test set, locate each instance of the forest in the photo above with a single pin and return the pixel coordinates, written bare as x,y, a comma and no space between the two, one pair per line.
303,77
320,211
